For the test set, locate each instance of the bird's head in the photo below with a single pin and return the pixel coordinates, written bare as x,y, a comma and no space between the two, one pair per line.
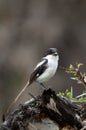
51,51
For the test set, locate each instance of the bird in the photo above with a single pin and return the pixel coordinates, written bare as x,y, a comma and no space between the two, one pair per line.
43,71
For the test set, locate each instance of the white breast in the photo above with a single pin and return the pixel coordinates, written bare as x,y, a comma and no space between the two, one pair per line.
51,69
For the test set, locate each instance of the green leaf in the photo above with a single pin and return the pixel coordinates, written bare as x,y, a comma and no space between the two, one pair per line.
79,65
71,67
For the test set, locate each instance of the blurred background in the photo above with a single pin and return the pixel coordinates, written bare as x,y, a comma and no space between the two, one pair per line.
27,29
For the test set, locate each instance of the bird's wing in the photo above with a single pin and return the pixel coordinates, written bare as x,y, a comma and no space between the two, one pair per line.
40,68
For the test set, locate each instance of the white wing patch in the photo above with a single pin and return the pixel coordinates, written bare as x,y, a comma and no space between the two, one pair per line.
40,63
37,75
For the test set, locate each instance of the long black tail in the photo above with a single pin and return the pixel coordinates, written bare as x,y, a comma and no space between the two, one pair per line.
18,96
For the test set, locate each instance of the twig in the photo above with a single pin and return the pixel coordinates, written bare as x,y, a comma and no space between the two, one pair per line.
81,95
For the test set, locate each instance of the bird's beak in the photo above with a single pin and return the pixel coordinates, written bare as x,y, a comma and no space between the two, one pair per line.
55,54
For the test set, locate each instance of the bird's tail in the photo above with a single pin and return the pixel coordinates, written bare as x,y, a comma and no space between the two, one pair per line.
18,96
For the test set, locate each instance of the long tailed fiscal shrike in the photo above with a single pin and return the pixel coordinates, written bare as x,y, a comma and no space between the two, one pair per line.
44,70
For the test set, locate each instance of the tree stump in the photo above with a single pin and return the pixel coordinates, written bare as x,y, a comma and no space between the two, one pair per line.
66,114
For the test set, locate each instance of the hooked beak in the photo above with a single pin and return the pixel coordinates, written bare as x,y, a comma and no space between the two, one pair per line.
55,54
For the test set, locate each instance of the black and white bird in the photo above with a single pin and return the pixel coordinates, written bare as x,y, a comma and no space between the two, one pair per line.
44,70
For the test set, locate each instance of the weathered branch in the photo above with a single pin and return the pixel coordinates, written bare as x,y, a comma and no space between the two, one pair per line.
60,110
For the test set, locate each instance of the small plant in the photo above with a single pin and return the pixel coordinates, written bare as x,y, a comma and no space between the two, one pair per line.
67,94
80,78
77,74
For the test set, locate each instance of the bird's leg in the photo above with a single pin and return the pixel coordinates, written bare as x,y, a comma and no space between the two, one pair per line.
43,86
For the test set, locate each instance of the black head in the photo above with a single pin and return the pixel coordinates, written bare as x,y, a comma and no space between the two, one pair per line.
51,51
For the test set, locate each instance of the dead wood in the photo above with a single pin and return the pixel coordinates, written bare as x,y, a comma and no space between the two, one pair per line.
48,105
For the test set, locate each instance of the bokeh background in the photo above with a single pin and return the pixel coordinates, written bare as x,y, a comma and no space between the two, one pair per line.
27,29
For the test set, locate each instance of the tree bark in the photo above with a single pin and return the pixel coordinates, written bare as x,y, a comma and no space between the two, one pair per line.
60,110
